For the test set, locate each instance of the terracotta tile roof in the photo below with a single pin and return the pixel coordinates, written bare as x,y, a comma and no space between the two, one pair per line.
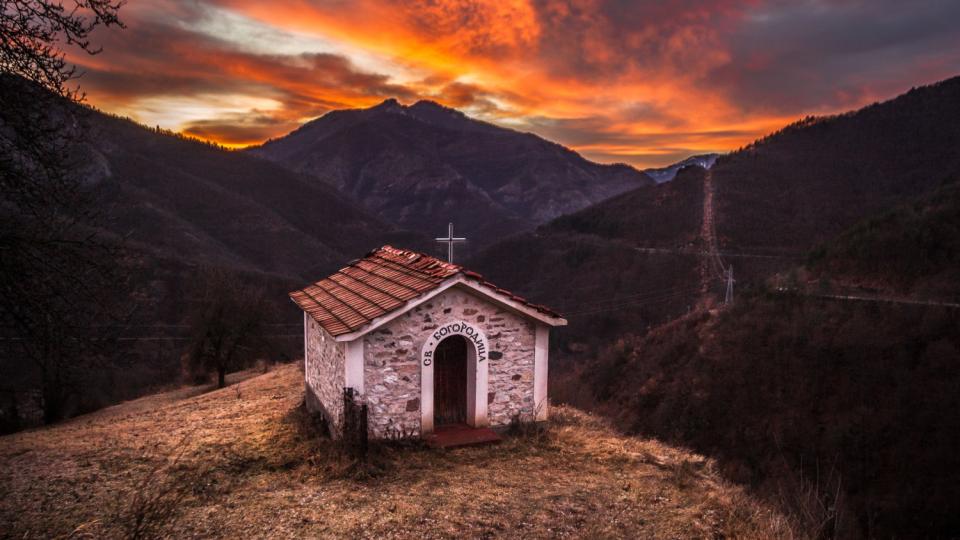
382,282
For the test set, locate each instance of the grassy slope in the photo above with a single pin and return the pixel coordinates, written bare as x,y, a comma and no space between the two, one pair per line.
262,473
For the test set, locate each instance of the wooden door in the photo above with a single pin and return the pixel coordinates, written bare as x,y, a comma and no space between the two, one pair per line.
450,381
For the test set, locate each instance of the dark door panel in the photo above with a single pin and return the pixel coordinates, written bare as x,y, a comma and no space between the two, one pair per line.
450,381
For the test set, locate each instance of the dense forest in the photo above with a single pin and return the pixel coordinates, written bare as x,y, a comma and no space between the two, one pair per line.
912,249
844,413
810,181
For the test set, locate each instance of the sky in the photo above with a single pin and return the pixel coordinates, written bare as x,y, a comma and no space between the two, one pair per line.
641,82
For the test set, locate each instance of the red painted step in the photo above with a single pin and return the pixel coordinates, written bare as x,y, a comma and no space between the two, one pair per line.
461,435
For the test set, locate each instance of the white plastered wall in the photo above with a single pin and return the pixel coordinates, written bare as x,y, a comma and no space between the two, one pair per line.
540,363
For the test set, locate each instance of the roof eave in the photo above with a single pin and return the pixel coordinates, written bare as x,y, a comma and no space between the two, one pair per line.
456,280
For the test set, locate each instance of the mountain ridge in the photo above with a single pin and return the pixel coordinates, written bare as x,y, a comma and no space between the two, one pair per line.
665,174
423,165
222,202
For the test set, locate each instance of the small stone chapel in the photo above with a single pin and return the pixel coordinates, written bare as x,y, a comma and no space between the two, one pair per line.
425,343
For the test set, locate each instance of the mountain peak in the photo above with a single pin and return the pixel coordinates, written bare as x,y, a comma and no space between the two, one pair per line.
430,104
423,109
447,117
388,105
422,165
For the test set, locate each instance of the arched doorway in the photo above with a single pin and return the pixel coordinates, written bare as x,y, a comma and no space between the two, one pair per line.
450,381
467,354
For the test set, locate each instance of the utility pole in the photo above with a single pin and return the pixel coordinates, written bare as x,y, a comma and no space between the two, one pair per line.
728,298
450,240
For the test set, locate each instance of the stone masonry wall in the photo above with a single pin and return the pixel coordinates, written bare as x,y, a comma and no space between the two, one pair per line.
324,374
392,361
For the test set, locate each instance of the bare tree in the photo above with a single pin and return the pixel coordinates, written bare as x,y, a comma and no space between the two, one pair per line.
32,33
228,324
55,268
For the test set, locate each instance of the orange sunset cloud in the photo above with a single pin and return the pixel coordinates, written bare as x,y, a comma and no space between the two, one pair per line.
644,83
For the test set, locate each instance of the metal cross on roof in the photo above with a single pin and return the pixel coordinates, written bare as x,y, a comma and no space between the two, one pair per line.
450,240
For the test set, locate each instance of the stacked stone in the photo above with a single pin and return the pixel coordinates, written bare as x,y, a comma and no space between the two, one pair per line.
324,374
510,387
392,362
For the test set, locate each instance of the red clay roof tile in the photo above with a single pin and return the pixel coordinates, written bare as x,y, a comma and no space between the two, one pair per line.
380,283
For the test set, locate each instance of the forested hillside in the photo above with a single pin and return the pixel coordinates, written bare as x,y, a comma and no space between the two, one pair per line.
843,412
164,211
587,264
813,179
912,249
192,201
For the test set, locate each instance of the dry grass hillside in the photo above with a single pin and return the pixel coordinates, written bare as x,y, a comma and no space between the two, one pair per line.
245,462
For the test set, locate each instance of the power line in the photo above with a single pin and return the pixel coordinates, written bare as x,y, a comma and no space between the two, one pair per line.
619,298
617,305
627,305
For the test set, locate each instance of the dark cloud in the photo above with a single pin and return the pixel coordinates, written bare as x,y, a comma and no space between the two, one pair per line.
795,57
238,128
133,84
467,96
599,130
591,40
334,70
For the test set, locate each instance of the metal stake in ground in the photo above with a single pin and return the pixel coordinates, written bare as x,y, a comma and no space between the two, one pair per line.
728,298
